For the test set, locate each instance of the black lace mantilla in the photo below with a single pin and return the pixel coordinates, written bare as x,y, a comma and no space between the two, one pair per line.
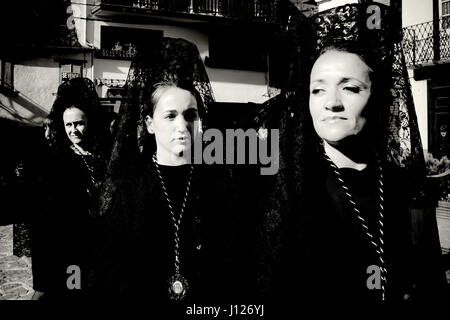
171,59
345,28
81,92
352,28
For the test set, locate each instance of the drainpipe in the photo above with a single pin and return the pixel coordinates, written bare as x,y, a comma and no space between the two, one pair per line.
436,40
92,65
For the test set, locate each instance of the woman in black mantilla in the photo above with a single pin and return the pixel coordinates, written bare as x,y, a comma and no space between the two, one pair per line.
162,239
361,170
64,236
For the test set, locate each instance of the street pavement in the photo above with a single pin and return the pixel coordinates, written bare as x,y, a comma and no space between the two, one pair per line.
16,280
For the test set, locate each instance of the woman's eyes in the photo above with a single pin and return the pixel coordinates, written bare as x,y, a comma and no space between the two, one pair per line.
353,89
170,116
191,115
316,91
188,116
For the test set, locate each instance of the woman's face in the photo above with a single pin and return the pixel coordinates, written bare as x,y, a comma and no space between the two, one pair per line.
75,123
48,134
174,123
340,87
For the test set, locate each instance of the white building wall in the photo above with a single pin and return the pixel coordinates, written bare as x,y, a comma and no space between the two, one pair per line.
420,95
36,82
228,85
416,11
79,8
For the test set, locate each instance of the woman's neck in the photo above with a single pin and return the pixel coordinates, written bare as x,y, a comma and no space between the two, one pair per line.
341,160
170,159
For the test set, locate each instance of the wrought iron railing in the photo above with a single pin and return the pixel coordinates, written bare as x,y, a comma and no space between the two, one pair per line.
427,42
259,10
115,54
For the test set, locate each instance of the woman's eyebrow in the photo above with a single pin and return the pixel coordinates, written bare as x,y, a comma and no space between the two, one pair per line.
347,79
75,122
317,80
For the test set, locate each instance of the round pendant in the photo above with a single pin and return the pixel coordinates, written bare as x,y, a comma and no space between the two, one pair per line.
177,287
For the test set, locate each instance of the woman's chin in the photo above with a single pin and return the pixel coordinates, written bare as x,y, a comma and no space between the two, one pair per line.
76,141
333,139
181,150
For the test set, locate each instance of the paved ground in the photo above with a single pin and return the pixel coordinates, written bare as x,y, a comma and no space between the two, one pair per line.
15,273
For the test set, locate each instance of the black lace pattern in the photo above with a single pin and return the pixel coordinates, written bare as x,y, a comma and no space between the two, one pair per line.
285,217
347,28
171,59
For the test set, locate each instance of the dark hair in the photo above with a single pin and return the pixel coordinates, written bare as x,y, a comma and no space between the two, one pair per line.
158,90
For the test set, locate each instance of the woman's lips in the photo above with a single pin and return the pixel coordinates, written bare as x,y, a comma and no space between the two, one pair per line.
181,139
332,119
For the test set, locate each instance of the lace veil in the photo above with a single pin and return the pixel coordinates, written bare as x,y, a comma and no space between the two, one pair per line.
81,93
371,31
169,59
352,28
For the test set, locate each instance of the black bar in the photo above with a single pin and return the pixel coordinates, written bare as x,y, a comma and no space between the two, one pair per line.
436,41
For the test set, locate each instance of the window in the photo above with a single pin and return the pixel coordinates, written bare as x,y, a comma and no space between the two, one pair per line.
446,14
6,75
70,70
237,48
122,43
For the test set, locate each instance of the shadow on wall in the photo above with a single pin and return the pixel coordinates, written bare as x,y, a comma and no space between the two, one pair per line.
22,109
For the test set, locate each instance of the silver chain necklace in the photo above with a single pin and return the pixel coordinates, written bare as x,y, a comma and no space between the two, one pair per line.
90,169
378,246
178,284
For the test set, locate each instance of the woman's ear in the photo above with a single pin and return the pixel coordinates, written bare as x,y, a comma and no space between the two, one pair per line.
149,124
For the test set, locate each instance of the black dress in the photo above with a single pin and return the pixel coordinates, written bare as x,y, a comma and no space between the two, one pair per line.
136,255
327,253
64,236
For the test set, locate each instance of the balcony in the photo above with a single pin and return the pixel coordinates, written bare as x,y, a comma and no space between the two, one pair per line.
427,43
115,54
263,11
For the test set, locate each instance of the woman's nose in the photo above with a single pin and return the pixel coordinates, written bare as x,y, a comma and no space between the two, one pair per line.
334,102
181,124
74,129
